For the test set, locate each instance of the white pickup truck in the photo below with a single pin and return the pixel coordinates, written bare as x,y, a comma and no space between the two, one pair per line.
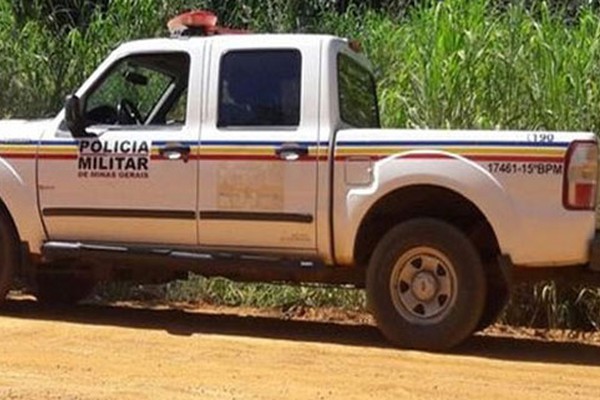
260,157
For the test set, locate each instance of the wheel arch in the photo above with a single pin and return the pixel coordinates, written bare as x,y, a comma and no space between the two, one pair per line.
424,200
7,216
19,201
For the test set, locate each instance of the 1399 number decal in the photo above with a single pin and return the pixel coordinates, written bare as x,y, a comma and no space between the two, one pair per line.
525,168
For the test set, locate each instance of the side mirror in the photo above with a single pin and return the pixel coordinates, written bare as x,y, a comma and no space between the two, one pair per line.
74,117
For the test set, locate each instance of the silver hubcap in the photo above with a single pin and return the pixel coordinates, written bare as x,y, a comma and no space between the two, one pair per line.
423,285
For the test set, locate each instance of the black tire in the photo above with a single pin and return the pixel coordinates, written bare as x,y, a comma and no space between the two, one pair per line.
443,302
62,289
9,255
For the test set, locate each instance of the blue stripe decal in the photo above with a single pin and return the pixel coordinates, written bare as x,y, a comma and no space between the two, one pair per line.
235,143
58,143
18,142
257,143
346,144
185,142
454,143
165,142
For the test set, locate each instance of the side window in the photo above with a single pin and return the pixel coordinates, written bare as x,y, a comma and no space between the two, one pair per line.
144,89
260,88
357,94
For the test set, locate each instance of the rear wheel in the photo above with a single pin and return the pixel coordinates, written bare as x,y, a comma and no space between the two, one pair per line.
426,285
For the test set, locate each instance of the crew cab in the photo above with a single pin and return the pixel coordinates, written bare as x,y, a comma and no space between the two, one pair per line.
260,157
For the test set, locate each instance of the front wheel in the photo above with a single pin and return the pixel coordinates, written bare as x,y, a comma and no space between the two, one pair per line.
426,285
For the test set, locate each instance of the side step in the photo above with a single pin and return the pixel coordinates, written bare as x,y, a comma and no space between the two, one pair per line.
235,266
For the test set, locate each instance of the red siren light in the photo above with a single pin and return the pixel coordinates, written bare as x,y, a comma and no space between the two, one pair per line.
198,23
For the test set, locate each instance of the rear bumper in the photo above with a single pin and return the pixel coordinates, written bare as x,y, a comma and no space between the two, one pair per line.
582,274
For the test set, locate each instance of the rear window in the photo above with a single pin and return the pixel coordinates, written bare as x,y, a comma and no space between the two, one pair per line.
357,94
260,88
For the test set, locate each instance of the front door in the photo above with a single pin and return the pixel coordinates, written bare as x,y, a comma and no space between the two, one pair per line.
134,180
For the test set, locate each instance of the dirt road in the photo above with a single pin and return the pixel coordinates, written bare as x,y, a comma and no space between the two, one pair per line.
90,352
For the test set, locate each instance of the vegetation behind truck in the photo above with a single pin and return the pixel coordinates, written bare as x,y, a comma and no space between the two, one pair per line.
260,157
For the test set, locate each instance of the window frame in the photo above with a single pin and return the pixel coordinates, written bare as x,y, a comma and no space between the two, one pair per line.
294,127
171,87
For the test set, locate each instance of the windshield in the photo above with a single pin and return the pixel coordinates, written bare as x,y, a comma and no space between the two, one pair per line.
357,94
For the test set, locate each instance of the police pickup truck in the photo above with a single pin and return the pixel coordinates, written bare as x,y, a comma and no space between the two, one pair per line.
261,158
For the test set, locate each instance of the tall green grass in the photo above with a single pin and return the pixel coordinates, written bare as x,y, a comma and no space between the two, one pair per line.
455,63
450,64
467,64
39,66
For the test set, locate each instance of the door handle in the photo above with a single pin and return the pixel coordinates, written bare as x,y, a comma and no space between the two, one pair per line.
291,151
175,151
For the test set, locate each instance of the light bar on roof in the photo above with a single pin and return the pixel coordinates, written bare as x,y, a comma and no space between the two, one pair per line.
198,23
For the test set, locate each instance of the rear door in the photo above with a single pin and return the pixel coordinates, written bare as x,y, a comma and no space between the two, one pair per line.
258,150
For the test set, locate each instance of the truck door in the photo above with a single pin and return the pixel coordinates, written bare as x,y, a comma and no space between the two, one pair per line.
134,180
258,150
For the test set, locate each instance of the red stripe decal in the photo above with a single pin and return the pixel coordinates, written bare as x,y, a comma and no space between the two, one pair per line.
217,157
496,158
32,156
58,156
545,159
17,155
426,156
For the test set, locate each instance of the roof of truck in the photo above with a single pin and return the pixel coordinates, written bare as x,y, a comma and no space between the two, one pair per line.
260,40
